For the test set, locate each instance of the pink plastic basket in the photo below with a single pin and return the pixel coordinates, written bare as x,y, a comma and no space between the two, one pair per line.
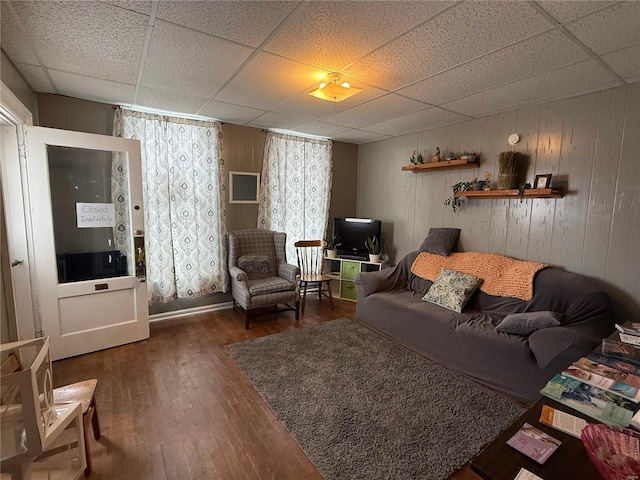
613,450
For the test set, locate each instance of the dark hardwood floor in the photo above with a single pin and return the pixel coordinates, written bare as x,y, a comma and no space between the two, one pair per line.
176,406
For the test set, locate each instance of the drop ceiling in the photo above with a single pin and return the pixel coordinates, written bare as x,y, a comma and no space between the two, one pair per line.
420,64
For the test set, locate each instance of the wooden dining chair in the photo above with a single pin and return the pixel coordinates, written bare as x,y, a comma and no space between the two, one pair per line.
310,256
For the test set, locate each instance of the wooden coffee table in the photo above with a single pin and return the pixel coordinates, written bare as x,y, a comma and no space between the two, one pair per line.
498,461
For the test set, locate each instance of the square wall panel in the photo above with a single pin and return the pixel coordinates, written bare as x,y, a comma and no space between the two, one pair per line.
321,129
610,29
229,113
86,38
36,78
267,81
358,137
104,91
561,83
168,101
330,34
417,121
12,39
437,45
136,6
189,62
275,120
625,62
377,110
535,55
246,22
567,11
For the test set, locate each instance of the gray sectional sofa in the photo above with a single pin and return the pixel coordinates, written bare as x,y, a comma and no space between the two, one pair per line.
390,302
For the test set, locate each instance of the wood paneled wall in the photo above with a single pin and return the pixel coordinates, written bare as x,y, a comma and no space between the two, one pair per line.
591,146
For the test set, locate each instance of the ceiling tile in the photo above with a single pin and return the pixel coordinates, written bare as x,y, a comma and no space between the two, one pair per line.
305,104
168,101
377,110
417,121
246,22
625,62
88,88
275,120
13,40
535,55
609,30
268,80
189,62
229,113
36,78
563,82
567,11
321,129
331,34
135,6
359,137
438,44
87,38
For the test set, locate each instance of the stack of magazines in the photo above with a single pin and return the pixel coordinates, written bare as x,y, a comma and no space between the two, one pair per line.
605,385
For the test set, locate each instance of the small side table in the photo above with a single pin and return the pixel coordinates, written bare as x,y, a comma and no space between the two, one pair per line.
498,461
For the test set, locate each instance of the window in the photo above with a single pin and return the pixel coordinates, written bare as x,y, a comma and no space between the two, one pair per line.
296,188
184,205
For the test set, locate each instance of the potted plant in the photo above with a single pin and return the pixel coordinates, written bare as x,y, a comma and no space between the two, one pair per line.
332,247
477,185
374,248
455,201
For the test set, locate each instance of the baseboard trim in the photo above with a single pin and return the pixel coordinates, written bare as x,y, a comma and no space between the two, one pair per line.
187,312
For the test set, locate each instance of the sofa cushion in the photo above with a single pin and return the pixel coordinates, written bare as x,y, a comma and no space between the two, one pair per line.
255,266
262,286
452,289
528,322
440,240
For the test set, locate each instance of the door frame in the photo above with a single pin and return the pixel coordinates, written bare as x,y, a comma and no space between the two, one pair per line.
16,203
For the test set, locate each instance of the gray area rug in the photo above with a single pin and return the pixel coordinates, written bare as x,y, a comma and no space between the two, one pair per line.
363,407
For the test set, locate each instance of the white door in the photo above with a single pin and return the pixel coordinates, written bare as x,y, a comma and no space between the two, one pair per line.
85,194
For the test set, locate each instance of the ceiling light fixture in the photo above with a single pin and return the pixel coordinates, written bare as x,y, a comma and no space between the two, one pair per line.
334,89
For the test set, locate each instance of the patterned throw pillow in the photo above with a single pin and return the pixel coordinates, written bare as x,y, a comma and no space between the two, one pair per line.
255,266
452,289
440,241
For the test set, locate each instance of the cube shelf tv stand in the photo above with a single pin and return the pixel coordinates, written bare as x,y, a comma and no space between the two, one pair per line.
344,271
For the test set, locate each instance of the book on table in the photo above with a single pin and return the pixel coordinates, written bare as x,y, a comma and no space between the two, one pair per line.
598,404
625,351
615,362
563,421
629,328
604,383
619,375
534,443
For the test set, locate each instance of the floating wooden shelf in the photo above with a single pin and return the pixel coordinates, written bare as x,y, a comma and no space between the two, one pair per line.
529,193
458,164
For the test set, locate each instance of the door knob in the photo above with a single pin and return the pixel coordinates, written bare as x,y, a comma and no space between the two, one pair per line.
15,263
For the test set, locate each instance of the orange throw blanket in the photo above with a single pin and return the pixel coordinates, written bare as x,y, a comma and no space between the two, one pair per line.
503,276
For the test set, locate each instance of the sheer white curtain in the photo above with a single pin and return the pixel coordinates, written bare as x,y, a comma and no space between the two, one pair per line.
183,186
296,188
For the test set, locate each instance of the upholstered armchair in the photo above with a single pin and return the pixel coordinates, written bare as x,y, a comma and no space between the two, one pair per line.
260,274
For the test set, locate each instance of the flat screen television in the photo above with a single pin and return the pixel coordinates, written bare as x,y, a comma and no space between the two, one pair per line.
352,233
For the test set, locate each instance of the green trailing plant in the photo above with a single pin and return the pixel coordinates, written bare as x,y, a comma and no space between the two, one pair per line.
521,189
333,243
373,245
454,201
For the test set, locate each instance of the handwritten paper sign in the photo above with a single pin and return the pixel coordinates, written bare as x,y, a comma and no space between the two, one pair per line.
96,215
